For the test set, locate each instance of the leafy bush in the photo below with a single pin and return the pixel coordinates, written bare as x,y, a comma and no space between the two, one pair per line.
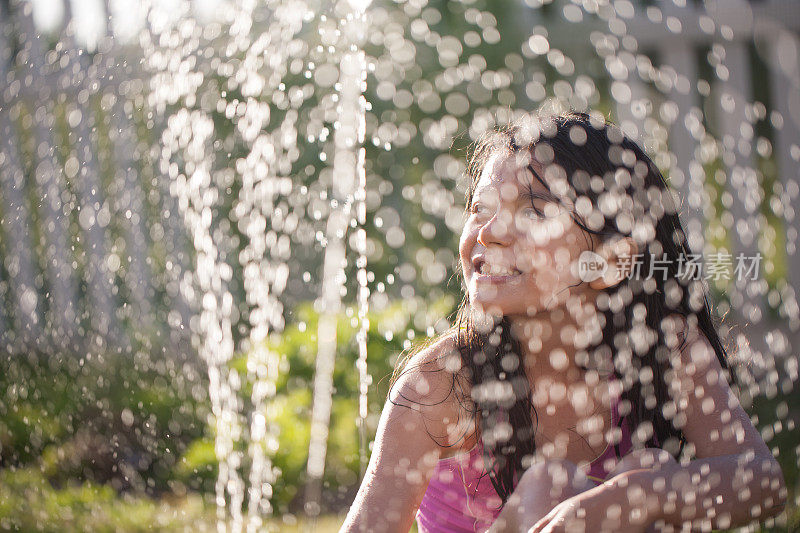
118,420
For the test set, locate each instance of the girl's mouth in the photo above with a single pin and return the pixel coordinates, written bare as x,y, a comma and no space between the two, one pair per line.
494,273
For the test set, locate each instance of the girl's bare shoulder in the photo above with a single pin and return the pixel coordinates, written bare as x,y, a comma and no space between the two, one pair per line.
433,384
440,353
430,371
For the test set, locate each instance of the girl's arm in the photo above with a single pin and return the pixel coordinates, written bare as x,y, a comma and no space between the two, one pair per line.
735,479
416,423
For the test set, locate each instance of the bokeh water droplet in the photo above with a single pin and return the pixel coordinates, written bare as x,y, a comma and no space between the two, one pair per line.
223,222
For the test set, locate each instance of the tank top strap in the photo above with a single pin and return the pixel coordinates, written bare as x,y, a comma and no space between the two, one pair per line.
617,421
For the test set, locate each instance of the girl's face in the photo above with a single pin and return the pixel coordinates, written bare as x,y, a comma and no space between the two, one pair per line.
520,246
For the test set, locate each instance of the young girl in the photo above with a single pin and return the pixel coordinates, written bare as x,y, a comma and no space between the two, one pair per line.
583,365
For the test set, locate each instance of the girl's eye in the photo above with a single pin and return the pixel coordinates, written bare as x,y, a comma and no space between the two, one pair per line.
477,209
532,213
541,209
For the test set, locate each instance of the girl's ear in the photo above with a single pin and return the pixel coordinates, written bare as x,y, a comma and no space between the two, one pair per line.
620,255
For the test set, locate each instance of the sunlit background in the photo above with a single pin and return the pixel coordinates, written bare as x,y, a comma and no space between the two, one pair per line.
222,223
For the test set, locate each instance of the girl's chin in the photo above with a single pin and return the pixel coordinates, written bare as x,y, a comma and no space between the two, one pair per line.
495,309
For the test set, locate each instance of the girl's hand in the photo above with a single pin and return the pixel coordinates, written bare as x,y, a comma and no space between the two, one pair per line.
596,510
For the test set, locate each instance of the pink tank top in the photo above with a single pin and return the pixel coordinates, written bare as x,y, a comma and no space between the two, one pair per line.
460,496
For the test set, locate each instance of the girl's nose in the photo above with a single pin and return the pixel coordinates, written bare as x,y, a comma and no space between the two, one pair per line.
496,230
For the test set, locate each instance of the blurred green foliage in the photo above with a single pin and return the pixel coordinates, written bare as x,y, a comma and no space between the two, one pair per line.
95,439
122,420
29,503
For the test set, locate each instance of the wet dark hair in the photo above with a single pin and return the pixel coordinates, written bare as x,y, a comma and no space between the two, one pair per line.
594,158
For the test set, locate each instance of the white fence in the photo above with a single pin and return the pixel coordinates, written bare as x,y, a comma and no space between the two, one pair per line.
73,245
